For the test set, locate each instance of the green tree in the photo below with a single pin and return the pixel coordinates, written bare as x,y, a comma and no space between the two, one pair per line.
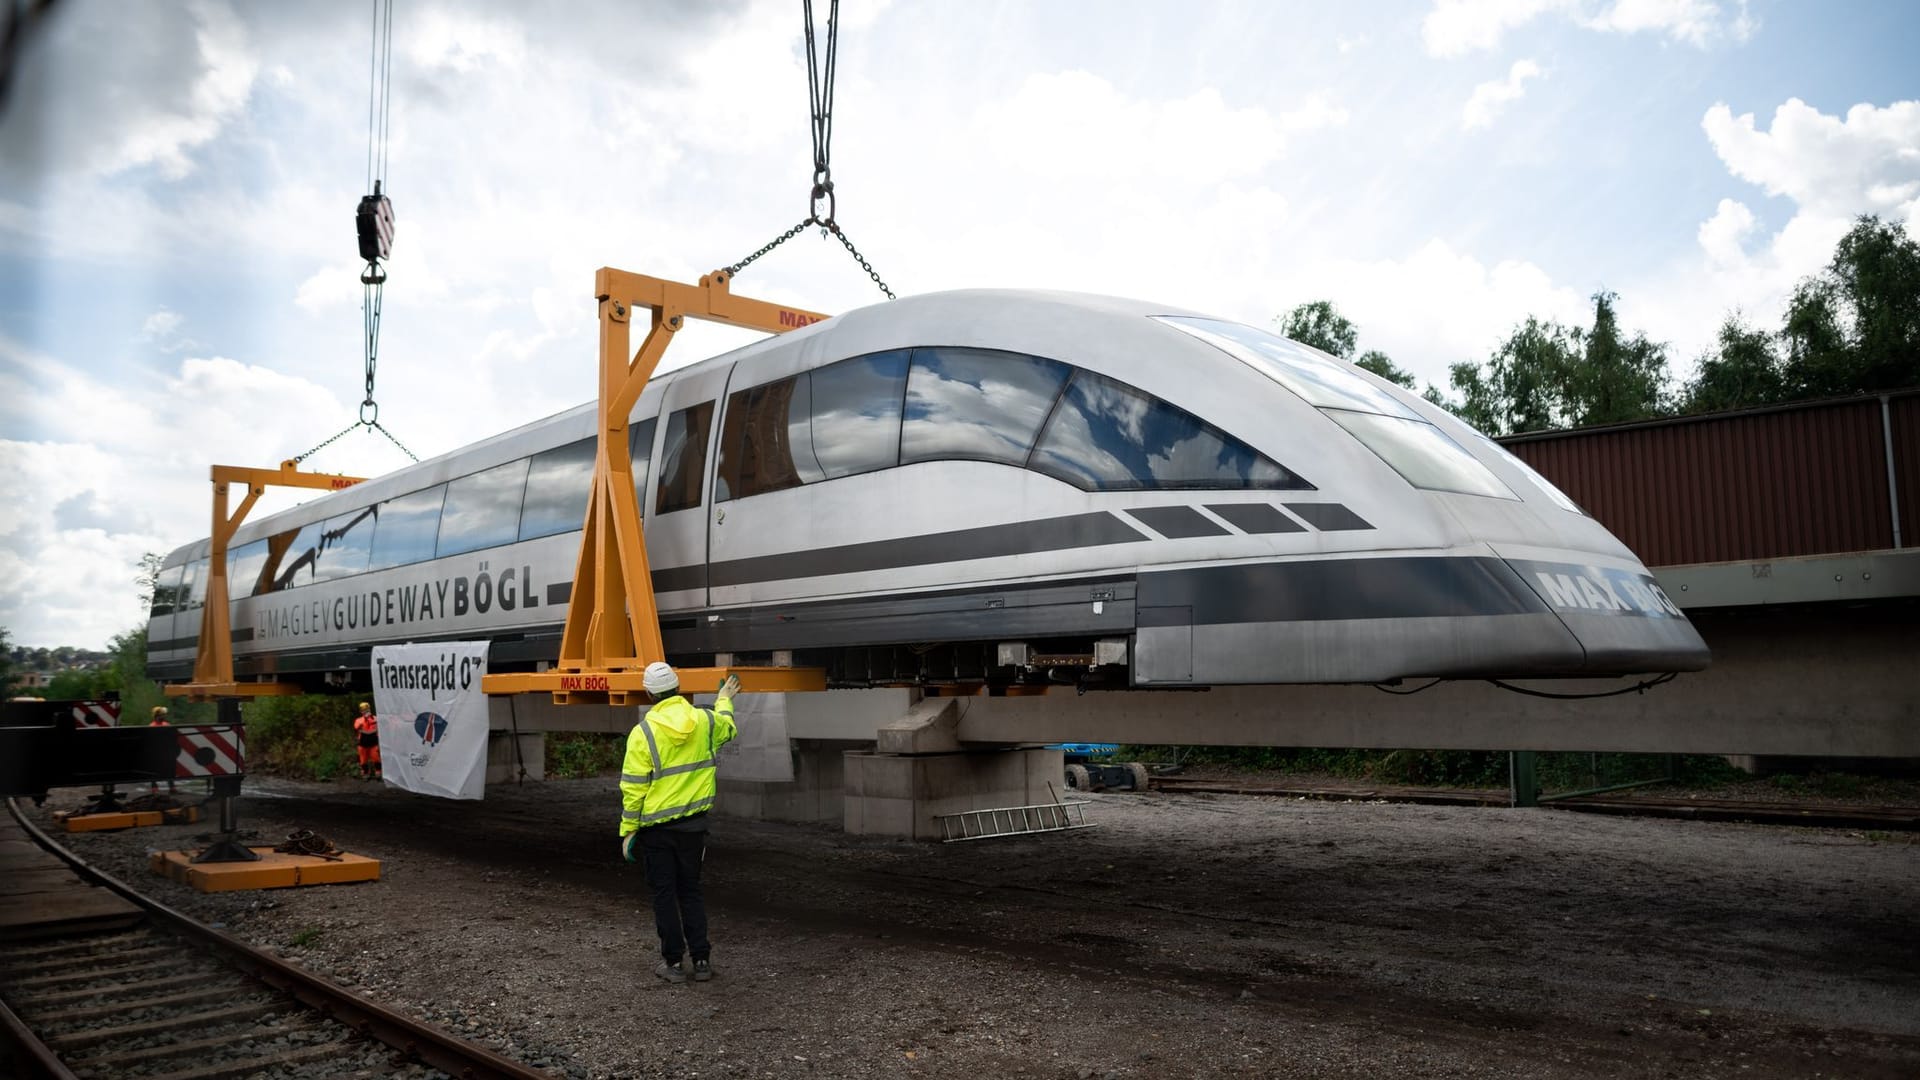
8,677
1618,377
1855,326
148,578
1744,370
1382,365
1546,375
1319,324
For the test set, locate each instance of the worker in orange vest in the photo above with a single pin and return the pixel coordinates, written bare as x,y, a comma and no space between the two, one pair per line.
158,718
366,728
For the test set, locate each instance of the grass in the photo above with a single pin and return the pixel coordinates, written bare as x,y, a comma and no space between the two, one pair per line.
303,938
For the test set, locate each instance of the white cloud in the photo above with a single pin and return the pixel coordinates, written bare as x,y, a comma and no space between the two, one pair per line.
1491,98
1830,168
1866,163
136,482
1457,27
1696,22
175,84
1437,306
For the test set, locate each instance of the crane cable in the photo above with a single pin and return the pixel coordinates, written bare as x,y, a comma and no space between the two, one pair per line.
821,205
374,220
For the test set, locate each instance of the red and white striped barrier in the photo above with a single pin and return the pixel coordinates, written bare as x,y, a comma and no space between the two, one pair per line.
92,714
210,750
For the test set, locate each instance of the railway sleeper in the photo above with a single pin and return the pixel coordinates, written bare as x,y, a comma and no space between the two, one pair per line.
134,990
120,1059
76,1040
254,1066
68,977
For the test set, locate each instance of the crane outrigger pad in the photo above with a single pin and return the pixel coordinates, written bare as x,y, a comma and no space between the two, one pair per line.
613,625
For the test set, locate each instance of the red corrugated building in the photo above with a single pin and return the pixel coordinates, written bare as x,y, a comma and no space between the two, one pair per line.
1814,478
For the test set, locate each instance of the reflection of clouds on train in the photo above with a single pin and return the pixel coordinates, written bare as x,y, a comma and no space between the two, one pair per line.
483,510
856,413
408,528
1083,478
1105,436
969,403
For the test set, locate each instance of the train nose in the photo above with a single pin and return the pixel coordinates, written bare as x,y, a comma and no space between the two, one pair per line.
1625,622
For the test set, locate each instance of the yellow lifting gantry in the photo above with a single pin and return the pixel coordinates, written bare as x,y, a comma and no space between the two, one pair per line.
613,627
213,662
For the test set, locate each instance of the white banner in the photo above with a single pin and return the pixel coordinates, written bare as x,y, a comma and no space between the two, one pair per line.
433,717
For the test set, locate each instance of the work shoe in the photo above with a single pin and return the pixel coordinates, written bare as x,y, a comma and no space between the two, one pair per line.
702,971
670,972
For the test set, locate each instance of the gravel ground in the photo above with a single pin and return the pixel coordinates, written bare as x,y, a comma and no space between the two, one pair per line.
1186,935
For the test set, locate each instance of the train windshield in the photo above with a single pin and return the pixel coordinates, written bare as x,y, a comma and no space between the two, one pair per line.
1322,380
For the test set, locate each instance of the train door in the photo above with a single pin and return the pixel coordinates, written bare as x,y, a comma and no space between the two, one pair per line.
676,519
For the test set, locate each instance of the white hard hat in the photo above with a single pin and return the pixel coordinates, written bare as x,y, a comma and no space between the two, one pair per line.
659,678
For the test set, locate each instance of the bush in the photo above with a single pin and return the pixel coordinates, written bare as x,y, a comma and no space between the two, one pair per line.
572,755
309,737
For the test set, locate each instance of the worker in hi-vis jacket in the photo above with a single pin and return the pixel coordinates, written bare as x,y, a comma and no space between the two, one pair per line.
666,787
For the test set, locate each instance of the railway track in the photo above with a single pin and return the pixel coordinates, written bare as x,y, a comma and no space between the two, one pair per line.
168,998
1827,815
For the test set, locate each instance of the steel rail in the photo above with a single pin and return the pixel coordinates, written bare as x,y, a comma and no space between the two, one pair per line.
33,1056
448,1053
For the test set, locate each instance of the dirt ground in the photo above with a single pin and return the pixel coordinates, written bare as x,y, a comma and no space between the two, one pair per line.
1184,935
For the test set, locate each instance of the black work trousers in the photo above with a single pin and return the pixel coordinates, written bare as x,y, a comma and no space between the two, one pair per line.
672,858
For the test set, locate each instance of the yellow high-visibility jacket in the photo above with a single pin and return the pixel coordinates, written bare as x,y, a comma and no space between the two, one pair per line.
668,771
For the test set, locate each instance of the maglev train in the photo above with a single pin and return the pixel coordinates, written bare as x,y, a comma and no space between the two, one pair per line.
985,486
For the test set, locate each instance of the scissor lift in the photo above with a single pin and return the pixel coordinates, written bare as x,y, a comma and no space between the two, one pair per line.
613,626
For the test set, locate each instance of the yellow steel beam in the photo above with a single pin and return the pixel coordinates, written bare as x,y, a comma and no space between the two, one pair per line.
624,687
613,627
213,661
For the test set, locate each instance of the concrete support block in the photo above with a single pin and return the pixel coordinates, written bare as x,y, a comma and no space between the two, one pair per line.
504,768
813,796
931,726
904,795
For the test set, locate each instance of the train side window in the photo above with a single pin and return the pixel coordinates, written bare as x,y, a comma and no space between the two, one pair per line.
976,404
404,528
298,566
166,591
765,444
683,458
346,544
482,510
856,413
558,483
640,455
244,564
193,587
1108,436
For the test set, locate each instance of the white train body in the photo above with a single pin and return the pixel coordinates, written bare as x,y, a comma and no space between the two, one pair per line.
1148,497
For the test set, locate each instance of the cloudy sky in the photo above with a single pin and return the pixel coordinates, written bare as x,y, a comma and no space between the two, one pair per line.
178,278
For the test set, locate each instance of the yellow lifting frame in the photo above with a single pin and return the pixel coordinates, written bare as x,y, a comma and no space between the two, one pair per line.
613,626
213,662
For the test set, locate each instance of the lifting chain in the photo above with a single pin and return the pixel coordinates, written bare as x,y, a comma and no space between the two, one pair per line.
821,205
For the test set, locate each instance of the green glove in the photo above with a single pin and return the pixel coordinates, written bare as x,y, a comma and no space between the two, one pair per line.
627,843
728,687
